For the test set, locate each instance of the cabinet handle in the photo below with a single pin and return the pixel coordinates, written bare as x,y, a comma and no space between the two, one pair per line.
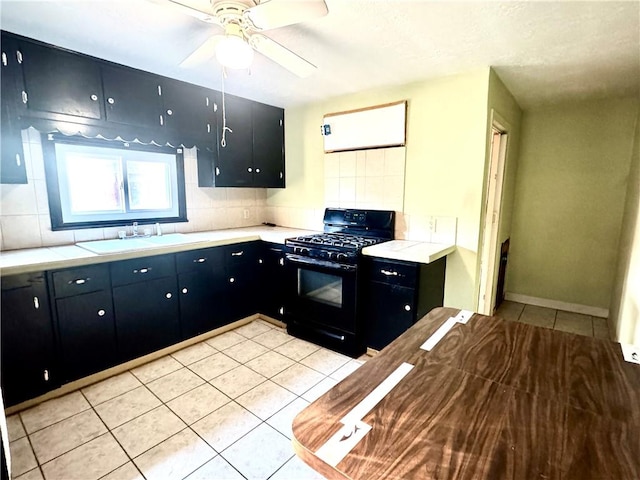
4,59
101,313
217,171
260,261
159,91
169,112
388,273
199,260
184,290
143,270
231,280
19,56
168,295
36,303
18,160
161,120
257,170
25,97
111,101
79,281
249,169
206,101
280,175
281,261
237,254
46,375
208,128
94,97
407,308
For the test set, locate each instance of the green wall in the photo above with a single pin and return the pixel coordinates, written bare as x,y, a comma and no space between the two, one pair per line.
569,200
625,304
445,161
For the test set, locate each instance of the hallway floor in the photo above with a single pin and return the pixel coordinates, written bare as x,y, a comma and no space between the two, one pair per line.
555,319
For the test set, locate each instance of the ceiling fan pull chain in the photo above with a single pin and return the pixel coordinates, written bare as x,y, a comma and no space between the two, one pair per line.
223,141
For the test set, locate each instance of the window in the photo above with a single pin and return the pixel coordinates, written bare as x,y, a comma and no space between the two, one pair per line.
98,183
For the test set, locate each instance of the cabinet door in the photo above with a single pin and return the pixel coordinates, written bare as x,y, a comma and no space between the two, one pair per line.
146,316
390,313
87,334
272,281
28,362
190,109
131,97
268,146
60,82
202,308
234,166
12,167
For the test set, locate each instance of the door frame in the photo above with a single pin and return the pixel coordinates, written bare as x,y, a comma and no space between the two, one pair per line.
493,196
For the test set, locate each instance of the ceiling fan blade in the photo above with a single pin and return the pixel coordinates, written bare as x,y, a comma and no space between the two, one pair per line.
281,55
203,53
279,13
188,10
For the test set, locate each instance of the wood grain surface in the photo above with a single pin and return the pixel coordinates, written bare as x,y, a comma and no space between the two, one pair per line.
492,400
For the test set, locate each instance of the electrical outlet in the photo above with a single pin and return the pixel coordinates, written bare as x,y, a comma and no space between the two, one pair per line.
245,213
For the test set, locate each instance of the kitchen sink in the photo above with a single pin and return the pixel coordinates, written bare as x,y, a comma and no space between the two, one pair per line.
103,247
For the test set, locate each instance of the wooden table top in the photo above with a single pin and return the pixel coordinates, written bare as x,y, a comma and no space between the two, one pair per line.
493,399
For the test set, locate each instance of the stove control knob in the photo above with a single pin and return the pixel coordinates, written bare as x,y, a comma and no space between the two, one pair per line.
341,256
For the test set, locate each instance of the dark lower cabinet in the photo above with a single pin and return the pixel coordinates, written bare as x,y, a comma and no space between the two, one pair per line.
86,328
397,294
147,316
242,264
202,308
272,281
28,349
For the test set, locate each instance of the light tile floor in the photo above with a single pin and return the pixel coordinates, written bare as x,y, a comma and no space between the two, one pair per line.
555,319
218,410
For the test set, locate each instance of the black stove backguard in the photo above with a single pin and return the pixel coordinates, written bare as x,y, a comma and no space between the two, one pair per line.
323,299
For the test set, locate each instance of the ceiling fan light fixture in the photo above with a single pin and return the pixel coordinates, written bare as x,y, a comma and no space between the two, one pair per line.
233,51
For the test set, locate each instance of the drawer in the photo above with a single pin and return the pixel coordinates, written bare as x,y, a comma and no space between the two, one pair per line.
241,253
206,259
142,269
77,281
404,274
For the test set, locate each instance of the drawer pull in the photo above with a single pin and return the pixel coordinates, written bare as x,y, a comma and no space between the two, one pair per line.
46,375
184,290
389,273
168,295
260,261
36,303
101,313
199,260
281,261
79,281
143,270
237,254
407,308
231,280
281,310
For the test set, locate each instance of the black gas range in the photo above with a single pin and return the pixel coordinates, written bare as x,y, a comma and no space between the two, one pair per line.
323,292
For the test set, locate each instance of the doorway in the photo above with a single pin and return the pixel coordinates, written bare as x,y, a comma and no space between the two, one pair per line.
491,222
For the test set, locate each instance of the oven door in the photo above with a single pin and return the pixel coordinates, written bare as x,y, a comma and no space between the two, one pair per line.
321,292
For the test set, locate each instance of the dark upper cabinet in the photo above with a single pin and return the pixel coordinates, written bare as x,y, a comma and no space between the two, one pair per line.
60,82
12,166
131,97
28,348
268,145
190,109
234,166
254,152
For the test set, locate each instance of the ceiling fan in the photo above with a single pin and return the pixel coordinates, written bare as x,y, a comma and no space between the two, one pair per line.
243,22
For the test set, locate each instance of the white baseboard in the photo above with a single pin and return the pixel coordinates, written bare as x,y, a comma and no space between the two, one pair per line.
558,305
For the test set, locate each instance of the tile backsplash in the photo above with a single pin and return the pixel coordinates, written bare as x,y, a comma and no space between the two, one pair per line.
24,209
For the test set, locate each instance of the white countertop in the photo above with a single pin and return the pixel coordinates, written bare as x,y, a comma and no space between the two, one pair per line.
14,262
410,251
47,258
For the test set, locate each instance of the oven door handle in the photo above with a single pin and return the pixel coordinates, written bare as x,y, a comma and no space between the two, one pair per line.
314,262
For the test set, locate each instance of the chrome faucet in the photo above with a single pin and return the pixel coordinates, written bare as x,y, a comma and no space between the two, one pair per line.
135,229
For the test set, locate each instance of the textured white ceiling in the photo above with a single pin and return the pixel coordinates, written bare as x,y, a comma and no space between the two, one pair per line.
543,51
